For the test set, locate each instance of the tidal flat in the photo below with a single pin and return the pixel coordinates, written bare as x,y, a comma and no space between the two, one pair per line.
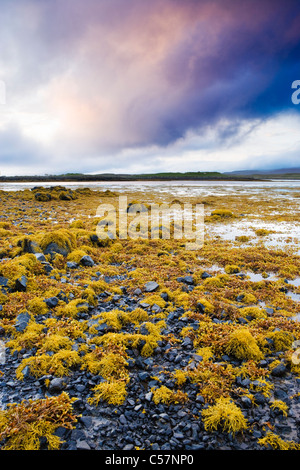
141,344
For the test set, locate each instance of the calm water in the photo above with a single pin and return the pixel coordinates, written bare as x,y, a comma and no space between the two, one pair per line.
183,188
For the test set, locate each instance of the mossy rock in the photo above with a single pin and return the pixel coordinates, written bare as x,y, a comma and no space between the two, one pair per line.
67,195
43,197
59,241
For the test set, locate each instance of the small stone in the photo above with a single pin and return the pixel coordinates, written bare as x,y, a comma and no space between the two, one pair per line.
56,385
82,445
197,357
122,419
128,447
137,291
86,421
151,286
178,435
26,371
200,307
47,267
149,396
269,310
246,402
94,238
138,407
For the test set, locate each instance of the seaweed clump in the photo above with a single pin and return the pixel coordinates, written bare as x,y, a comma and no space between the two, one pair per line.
243,345
226,415
23,425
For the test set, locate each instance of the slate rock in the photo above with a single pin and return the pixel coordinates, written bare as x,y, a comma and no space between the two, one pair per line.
94,238
56,385
26,372
279,371
148,396
247,403
200,307
40,257
72,265
128,447
240,298
22,321
188,280
260,399
164,296
82,445
87,261
87,421
151,286
21,284
3,281
51,302
47,267
205,275
137,291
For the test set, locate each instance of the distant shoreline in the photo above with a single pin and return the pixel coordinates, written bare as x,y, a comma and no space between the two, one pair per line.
165,176
90,178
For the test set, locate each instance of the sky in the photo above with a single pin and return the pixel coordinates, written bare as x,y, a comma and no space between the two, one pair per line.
139,86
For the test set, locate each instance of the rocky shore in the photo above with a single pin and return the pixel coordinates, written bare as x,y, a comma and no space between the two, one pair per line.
141,345
139,423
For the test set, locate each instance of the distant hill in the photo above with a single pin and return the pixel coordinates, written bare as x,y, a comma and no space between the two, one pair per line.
278,173
239,175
